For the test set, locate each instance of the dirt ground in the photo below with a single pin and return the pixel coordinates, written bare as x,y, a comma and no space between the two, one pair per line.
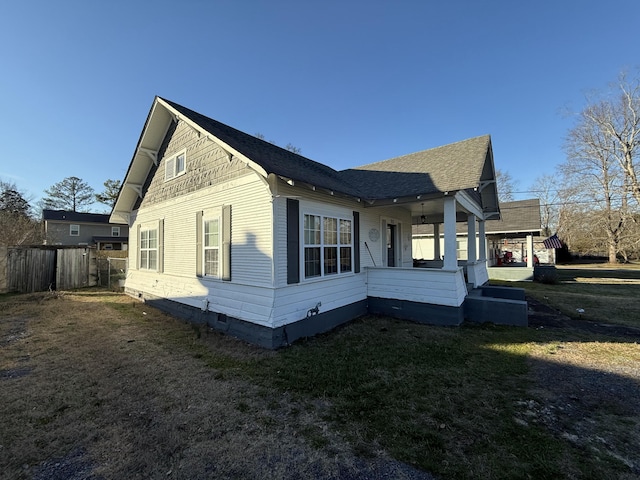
576,406
89,393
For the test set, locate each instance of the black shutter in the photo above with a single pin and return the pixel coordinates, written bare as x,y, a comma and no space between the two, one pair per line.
356,242
293,241
199,269
161,246
226,243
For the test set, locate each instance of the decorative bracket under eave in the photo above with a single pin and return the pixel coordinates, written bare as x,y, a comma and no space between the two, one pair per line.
122,216
136,187
153,155
485,184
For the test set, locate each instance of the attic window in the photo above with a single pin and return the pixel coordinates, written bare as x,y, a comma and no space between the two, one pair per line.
175,166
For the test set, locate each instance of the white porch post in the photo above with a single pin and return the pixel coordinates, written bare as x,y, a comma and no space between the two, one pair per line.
471,239
450,254
482,241
529,251
436,241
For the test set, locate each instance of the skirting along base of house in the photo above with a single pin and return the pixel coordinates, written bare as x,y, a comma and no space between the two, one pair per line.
426,313
266,337
476,308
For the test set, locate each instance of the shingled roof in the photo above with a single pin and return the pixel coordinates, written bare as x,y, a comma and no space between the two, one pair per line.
521,216
270,157
465,165
70,216
453,167
518,217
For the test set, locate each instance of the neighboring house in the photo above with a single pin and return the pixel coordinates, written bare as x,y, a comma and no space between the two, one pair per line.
513,240
271,246
92,229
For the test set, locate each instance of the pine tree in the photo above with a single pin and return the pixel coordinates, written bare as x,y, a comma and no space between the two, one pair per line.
72,194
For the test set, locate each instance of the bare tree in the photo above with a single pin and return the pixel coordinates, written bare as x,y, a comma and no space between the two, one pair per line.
289,146
617,118
547,189
506,186
72,194
596,186
293,148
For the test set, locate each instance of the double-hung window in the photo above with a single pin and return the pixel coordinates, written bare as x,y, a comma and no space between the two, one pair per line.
149,249
74,230
328,245
211,245
175,165
115,231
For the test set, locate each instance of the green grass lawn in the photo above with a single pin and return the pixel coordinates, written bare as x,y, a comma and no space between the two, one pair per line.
108,374
606,294
447,400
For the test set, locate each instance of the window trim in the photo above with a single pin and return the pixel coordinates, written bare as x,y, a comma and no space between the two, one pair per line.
114,230
205,219
171,164
71,230
147,249
322,246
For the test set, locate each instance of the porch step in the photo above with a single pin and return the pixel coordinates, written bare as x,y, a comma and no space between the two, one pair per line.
499,305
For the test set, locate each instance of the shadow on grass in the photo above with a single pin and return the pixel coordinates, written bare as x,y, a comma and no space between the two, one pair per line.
475,402
571,274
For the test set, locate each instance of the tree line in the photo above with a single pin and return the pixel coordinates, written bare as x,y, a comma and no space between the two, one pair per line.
19,219
593,199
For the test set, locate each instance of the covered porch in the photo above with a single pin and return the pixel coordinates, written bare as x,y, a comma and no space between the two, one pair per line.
444,217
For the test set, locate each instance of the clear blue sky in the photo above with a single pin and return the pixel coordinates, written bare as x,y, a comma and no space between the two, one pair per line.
348,82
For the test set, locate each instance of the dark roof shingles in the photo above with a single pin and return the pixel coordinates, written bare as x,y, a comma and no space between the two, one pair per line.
453,167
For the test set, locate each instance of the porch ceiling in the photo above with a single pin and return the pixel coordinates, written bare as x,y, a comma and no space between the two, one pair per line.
432,207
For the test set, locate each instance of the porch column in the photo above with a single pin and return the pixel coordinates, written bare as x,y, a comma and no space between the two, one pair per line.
529,251
436,241
482,241
450,254
471,239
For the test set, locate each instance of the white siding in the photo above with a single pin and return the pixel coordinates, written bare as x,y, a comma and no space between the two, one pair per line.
294,301
249,294
370,218
438,287
251,247
246,302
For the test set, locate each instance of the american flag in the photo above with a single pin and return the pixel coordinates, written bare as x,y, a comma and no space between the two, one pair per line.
552,242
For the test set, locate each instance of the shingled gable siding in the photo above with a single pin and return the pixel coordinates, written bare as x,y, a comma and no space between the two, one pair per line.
206,164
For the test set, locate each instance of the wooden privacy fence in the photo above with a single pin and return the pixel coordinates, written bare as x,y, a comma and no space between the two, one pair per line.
40,268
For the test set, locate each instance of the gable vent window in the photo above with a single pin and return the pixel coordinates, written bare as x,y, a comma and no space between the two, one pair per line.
175,166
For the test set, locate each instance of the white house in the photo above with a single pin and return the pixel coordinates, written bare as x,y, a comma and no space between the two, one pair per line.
271,246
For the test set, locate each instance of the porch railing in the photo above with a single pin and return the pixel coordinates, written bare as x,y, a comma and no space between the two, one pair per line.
422,285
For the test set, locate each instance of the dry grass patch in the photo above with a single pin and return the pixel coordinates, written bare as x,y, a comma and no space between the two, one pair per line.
105,387
116,389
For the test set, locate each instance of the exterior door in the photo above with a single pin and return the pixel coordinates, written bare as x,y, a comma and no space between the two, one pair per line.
391,245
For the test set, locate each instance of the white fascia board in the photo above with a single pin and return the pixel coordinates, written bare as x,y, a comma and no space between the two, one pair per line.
153,133
250,163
